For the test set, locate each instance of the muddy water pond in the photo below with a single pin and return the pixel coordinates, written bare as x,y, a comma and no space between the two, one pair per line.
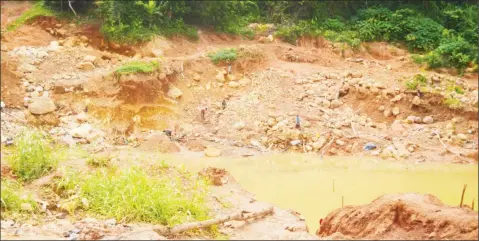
316,187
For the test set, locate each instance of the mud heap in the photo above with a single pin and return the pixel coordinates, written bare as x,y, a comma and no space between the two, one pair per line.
403,216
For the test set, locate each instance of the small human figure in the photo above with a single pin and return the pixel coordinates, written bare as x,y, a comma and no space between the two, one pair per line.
298,124
203,112
223,103
229,69
167,133
419,94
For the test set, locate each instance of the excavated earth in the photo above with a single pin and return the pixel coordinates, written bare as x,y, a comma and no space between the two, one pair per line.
60,76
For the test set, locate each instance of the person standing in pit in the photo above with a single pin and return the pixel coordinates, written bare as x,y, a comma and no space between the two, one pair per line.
298,124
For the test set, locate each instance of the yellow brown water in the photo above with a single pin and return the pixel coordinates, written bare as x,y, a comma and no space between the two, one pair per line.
305,183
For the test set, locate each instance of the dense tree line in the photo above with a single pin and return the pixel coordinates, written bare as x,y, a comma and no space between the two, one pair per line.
445,32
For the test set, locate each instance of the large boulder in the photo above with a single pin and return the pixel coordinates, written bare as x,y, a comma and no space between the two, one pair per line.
41,105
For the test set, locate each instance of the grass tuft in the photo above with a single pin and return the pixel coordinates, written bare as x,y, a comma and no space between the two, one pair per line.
37,10
32,157
417,81
223,55
12,199
138,67
98,161
133,195
453,103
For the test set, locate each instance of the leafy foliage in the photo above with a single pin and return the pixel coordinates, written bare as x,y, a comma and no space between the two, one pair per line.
223,55
33,156
440,30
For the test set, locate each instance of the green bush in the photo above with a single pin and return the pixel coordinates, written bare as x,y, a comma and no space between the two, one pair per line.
133,195
334,24
453,52
223,55
417,81
33,156
138,67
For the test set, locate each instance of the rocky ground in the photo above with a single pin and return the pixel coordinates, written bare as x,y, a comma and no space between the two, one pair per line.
63,81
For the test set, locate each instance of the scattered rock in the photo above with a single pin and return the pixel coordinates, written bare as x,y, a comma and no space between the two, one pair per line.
336,104
381,108
220,77
27,68
396,111
387,113
197,77
212,152
41,105
239,125
174,92
233,84
82,131
340,142
428,120
86,66
416,100
89,58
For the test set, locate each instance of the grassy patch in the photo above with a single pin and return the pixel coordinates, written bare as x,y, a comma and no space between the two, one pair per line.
417,81
452,87
453,103
223,55
13,198
138,67
135,195
37,10
33,156
98,161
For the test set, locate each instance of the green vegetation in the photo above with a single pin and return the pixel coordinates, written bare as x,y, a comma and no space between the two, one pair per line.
33,156
12,199
442,33
417,81
136,195
138,67
223,55
453,103
98,161
37,10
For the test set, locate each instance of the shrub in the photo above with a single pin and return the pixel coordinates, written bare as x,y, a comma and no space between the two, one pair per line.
138,67
417,81
33,157
452,103
453,52
12,198
38,9
223,55
334,24
133,195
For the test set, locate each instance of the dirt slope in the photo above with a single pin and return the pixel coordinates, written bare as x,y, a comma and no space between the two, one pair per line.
404,216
